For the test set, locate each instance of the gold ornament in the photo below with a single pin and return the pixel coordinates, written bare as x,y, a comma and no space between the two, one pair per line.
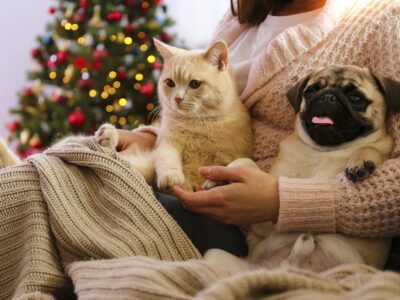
37,87
120,37
69,12
31,110
69,71
24,136
96,21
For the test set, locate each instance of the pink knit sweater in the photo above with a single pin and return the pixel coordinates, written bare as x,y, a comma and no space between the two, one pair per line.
359,32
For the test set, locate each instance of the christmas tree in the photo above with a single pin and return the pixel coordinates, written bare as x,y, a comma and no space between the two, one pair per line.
97,63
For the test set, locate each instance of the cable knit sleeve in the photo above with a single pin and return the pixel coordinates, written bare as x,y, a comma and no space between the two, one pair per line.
370,208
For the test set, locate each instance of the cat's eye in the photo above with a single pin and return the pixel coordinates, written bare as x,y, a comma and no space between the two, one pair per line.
195,84
170,82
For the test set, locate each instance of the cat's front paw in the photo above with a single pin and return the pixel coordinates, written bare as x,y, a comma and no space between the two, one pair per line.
107,136
169,178
209,184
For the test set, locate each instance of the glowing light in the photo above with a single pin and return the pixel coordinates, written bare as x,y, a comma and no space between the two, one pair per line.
117,84
113,38
66,79
104,95
68,26
122,101
53,75
112,91
81,40
113,118
103,36
122,121
143,47
112,74
141,66
151,59
53,58
139,77
85,75
145,4
75,27
106,87
137,86
150,106
128,41
92,93
109,108
141,35
84,70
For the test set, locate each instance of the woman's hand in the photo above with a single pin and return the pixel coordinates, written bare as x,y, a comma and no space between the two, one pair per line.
130,141
252,196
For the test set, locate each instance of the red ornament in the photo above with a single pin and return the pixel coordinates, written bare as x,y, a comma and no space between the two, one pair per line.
129,3
80,17
62,56
84,4
96,65
121,75
100,54
52,10
77,119
13,126
36,52
80,62
85,83
165,37
147,89
157,2
50,64
28,92
114,16
61,99
144,9
130,27
144,38
35,142
158,65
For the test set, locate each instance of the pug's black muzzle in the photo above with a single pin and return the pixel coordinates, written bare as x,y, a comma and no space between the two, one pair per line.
348,124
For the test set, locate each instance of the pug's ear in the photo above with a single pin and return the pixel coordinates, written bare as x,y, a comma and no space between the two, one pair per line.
391,91
295,93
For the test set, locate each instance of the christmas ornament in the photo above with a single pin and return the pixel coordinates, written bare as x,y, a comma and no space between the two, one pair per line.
147,89
114,16
83,4
129,28
13,126
52,10
166,37
28,92
77,119
96,65
24,136
80,16
157,2
129,3
69,71
96,20
85,83
121,75
62,56
37,87
48,40
100,54
36,52
35,142
69,12
158,65
80,62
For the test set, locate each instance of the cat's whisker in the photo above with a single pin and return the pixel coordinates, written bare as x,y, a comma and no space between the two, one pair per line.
154,115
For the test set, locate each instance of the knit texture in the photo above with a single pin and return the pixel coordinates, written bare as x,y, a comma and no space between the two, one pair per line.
143,278
77,201
360,32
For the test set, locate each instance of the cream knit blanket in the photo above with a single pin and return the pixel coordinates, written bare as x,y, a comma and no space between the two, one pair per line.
78,202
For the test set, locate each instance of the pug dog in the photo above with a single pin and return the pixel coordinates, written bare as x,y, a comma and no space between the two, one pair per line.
340,127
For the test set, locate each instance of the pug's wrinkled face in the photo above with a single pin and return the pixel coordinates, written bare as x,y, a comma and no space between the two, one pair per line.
339,104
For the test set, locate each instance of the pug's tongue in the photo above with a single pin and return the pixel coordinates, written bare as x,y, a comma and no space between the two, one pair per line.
322,121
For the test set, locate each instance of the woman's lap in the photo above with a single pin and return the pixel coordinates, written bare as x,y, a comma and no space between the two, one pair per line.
204,232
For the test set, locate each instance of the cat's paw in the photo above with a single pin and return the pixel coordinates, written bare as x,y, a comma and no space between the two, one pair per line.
209,184
107,136
169,178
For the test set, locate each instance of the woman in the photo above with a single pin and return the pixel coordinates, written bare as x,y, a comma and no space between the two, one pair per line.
317,33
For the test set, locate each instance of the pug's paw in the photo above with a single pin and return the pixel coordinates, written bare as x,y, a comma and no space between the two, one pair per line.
107,136
166,179
360,170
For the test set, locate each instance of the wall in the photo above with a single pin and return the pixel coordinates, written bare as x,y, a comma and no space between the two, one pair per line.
23,20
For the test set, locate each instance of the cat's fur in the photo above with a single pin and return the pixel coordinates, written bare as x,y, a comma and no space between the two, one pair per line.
203,121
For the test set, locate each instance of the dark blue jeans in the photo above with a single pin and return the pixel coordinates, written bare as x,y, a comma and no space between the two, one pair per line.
204,232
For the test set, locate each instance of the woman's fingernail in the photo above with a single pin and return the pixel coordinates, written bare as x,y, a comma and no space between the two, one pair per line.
204,170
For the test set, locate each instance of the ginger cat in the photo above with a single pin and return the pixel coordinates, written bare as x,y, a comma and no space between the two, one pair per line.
203,121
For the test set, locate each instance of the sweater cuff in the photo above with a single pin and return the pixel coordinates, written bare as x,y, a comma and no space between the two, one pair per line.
307,205
150,129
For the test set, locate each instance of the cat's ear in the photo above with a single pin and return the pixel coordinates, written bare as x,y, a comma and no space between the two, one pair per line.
217,55
165,50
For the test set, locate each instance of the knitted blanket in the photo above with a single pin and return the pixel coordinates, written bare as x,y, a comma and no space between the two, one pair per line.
79,219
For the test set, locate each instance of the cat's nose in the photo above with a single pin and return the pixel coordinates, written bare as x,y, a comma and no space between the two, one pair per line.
178,100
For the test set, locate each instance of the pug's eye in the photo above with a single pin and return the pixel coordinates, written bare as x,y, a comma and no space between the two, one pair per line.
195,84
170,82
355,99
